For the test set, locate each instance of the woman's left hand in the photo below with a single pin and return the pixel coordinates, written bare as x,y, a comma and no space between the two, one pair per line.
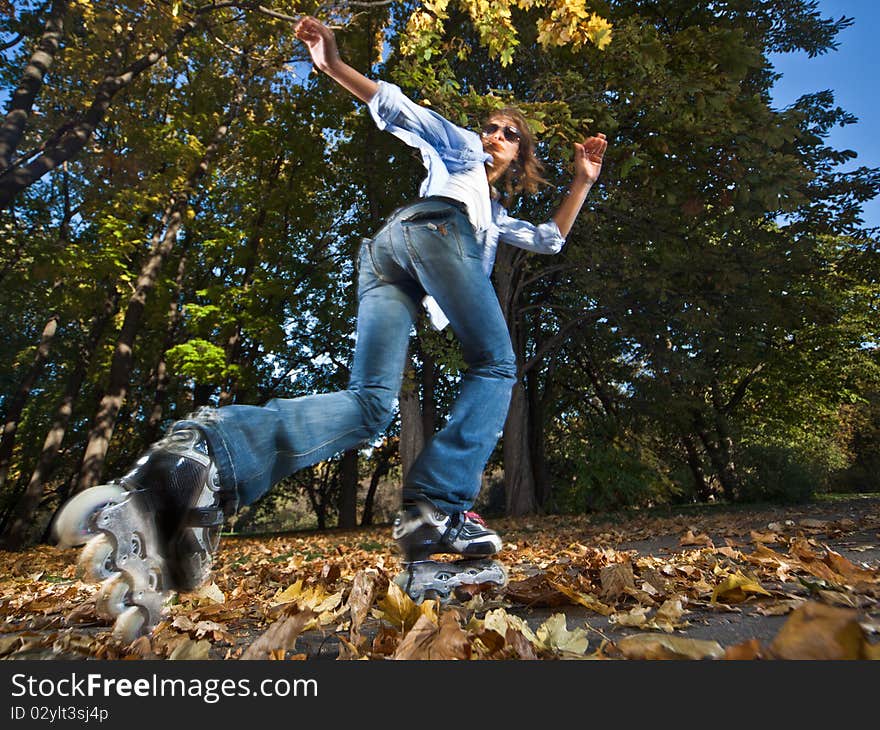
588,158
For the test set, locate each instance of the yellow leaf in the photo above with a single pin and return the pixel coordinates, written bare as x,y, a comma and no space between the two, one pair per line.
400,610
500,621
735,587
554,635
635,618
211,593
191,650
315,598
584,599
661,646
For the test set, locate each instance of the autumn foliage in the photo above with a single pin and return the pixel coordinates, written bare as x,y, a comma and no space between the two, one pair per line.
577,590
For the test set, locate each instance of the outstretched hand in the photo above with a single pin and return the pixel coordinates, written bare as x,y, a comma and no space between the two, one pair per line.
588,158
320,41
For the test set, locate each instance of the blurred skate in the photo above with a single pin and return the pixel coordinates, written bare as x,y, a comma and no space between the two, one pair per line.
446,581
152,532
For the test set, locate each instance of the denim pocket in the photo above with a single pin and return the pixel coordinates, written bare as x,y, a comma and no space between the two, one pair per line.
431,236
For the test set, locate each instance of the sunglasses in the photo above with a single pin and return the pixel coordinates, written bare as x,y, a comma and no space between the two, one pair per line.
511,134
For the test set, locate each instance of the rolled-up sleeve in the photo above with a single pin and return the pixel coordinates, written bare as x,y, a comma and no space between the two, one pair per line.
543,238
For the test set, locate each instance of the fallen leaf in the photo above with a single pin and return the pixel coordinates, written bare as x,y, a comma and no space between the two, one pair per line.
538,590
210,592
584,599
816,631
762,537
689,538
615,579
427,640
812,524
400,610
668,616
280,635
735,588
747,650
662,646
634,618
363,590
555,636
780,608
189,650
501,622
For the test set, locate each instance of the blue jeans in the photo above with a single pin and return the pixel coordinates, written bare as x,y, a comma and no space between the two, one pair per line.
426,247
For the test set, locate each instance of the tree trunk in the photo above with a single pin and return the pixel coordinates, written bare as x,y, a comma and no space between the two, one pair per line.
30,84
384,455
722,463
348,489
18,401
412,437
429,388
122,360
537,447
16,533
154,422
519,481
233,342
695,463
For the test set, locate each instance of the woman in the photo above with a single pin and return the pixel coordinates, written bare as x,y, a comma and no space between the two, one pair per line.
437,251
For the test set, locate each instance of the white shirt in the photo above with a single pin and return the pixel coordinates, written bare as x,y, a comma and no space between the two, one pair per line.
454,159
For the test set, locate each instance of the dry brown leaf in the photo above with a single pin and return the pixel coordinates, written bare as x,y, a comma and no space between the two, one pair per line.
812,524
668,616
747,650
816,631
522,647
583,599
851,572
280,635
662,646
451,641
615,579
537,590
385,641
416,643
689,538
363,591
779,608
189,650
635,618
762,537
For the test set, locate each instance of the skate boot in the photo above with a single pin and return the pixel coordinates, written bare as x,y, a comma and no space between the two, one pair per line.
421,530
151,532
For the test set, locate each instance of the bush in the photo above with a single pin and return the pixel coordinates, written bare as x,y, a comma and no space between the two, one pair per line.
774,473
614,476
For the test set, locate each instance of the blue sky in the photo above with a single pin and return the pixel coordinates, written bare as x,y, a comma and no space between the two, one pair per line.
851,73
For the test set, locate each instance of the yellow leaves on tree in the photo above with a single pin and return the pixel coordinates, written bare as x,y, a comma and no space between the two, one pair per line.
565,23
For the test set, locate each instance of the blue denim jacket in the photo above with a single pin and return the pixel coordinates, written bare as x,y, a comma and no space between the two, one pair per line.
447,148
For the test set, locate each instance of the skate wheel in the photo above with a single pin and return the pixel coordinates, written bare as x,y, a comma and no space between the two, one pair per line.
129,624
95,562
74,525
110,602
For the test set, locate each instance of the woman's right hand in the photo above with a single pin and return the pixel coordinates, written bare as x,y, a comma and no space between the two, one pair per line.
320,41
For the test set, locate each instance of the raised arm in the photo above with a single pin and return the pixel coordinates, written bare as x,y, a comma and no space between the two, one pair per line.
325,55
587,166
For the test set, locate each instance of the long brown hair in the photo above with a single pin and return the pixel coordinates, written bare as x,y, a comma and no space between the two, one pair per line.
524,174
